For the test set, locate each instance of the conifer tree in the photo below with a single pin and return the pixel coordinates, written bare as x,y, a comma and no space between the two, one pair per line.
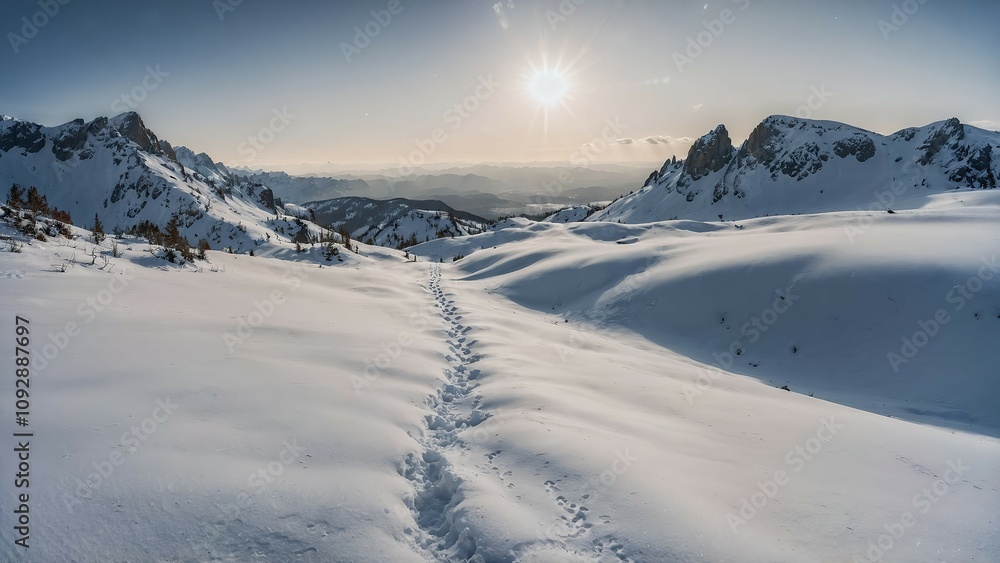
98,230
15,198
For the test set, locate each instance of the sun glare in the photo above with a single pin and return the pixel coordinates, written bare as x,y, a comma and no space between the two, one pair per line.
549,87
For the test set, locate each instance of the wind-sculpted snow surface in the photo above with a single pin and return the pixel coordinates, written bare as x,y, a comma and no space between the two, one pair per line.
896,318
562,393
648,453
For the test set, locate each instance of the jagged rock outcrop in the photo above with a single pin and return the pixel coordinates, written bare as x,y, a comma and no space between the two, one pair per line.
949,135
167,150
130,126
22,135
978,170
653,177
72,140
858,146
709,154
266,198
759,144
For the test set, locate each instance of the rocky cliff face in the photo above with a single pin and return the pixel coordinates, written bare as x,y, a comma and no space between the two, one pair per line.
709,154
21,135
130,126
949,135
760,144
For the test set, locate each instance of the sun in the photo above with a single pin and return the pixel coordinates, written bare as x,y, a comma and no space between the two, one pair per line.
549,87
552,88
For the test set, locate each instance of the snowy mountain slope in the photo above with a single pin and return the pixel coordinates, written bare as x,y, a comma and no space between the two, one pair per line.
392,222
189,489
571,214
118,169
204,165
815,301
790,165
398,413
419,225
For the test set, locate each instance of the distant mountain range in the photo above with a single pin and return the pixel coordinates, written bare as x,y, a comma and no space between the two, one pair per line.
298,189
513,191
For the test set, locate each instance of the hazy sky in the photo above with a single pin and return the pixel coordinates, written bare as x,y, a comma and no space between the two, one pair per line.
223,70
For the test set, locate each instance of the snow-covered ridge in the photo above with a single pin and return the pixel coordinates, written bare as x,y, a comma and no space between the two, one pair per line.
573,214
790,165
118,169
396,222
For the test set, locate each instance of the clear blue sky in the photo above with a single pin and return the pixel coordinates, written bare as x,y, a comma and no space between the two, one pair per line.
226,76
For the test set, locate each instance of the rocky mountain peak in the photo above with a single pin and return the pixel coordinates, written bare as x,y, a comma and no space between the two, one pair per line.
950,134
72,138
200,162
130,126
21,135
760,143
709,154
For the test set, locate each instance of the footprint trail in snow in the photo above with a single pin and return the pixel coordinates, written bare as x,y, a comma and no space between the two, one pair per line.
453,409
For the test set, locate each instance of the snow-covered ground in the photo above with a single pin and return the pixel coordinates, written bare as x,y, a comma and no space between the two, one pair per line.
582,392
